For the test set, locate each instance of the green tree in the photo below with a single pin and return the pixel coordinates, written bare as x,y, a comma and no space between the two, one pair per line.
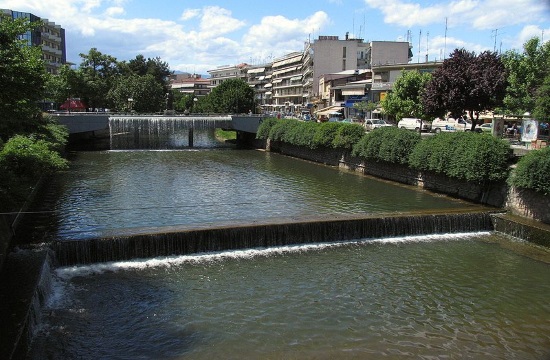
528,79
365,106
405,99
98,71
22,78
145,91
466,83
231,96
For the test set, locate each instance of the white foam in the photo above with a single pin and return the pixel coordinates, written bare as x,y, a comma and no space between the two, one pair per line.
169,261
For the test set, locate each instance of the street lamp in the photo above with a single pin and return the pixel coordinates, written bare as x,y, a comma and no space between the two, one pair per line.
130,102
195,104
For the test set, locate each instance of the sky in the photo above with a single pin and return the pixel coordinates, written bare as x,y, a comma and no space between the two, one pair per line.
197,36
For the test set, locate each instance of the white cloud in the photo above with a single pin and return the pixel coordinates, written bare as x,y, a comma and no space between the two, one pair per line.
479,14
114,11
189,14
216,20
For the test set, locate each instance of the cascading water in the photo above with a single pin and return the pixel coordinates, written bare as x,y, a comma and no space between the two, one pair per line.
163,132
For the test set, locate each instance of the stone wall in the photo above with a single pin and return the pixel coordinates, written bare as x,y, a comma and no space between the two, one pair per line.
524,203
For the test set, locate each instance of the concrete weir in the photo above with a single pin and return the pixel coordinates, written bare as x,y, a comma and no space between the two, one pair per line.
168,241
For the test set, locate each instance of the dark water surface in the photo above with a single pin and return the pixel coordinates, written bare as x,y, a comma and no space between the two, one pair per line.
461,296
457,297
130,189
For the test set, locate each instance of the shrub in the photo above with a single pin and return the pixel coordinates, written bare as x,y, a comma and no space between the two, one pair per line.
348,135
463,155
27,157
533,172
325,134
389,144
265,127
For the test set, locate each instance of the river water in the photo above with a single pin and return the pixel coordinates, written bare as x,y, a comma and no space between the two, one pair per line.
478,295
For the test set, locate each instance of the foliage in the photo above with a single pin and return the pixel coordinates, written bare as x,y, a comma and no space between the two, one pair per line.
348,135
310,134
97,72
463,155
390,144
466,82
145,91
365,106
533,171
527,74
29,157
406,98
325,134
22,78
232,96
265,128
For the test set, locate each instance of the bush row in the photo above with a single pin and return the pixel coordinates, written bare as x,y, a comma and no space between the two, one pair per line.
310,134
467,156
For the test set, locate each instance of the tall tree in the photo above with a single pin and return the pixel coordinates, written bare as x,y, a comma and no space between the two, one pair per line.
466,83
22,78
146,94
98,71
528,73
405,99
231,96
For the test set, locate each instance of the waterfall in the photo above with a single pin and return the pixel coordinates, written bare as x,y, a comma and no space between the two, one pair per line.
160,132
188,241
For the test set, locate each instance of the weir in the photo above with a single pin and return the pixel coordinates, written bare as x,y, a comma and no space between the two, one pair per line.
160,132
170,241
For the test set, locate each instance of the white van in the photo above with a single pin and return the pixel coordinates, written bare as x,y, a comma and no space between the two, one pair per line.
414,124
450,124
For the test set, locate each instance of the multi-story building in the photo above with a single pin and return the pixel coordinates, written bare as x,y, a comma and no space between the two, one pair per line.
49,36
259,78
226,72
190,84
286,83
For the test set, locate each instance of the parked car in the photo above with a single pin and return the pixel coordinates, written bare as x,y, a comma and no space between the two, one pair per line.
414,124
371,124
450,124
487,127
334,119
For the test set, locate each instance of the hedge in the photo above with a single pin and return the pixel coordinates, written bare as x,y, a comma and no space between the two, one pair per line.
310,134
533,171
390,144
463,155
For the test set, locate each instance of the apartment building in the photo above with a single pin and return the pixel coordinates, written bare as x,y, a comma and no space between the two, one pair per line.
286,83
190,84
226,72
49,36
259,78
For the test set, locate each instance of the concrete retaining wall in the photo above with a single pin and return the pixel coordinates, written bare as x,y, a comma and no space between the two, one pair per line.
525,203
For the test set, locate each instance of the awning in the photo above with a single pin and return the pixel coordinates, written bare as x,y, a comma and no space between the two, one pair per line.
329,110
296,78
267,85
255,71
73,104
353,92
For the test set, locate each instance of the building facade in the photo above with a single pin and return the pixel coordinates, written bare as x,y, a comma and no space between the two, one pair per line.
50,37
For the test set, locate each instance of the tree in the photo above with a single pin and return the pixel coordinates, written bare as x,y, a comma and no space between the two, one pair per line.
405,99
231,96
98,71
365,106
22,78
146,93
466,83
528,75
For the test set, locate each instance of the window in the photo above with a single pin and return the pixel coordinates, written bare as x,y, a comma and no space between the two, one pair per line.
344,52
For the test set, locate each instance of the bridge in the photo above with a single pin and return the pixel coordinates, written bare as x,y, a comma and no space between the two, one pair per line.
99,122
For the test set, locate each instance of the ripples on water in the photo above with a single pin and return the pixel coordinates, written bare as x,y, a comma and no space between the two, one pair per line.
441,296
128,189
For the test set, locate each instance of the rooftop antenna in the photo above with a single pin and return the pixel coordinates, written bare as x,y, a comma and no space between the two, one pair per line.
427,44
419,38
496,34
445,46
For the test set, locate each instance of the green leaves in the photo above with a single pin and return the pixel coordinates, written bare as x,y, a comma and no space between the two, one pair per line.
533,171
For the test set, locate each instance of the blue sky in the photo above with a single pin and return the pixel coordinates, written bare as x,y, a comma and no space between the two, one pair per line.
196,36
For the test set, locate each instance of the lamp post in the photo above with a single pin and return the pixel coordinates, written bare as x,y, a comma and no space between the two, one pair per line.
130,102
195,104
